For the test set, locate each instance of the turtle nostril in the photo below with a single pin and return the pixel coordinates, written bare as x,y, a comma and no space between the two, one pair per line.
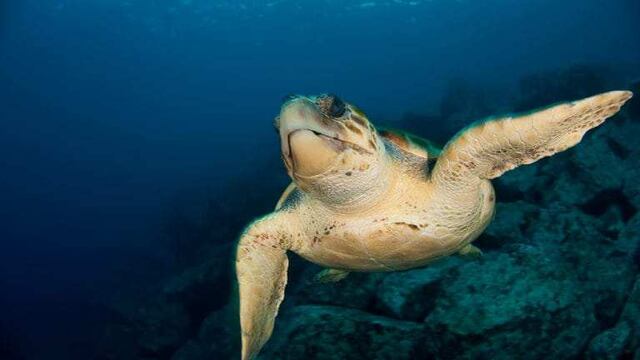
337,107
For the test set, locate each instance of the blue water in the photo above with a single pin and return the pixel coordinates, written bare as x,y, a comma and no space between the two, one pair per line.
113,111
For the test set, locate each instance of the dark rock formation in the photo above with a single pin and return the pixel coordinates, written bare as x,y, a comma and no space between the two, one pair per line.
358,293
611,343
163,327
412,295
326,332
216,338
188,315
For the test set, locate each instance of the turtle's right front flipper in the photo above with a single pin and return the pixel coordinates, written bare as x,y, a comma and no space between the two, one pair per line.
261,269
489,149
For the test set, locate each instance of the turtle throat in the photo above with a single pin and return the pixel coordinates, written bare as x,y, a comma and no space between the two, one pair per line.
312,153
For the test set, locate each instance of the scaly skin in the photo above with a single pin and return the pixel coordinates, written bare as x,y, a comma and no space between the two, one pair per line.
368,203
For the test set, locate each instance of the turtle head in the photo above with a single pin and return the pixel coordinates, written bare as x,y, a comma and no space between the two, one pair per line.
330,149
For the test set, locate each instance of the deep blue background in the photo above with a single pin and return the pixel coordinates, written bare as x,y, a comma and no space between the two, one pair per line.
109,109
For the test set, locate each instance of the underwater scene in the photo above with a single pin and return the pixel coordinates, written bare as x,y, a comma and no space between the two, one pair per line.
355,179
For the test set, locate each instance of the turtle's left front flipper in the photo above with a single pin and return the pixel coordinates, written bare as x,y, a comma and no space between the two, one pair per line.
489,149
261,269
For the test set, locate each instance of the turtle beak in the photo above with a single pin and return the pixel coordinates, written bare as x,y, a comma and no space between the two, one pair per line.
299,113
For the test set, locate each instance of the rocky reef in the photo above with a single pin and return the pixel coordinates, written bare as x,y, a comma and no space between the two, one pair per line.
559,277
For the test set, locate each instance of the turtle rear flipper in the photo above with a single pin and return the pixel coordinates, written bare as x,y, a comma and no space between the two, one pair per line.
261,269
489,149
470,251
330,276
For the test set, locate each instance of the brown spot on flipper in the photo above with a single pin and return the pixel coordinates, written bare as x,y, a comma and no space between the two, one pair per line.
411,226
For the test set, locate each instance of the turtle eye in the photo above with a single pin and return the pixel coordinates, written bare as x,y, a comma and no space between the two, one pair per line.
337,107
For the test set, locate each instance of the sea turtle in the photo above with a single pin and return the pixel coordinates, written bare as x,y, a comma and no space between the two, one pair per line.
368,200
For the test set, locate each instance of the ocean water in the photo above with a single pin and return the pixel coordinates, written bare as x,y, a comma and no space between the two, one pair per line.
137,141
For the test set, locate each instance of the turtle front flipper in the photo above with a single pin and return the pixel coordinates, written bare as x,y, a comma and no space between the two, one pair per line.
261,269
490,148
